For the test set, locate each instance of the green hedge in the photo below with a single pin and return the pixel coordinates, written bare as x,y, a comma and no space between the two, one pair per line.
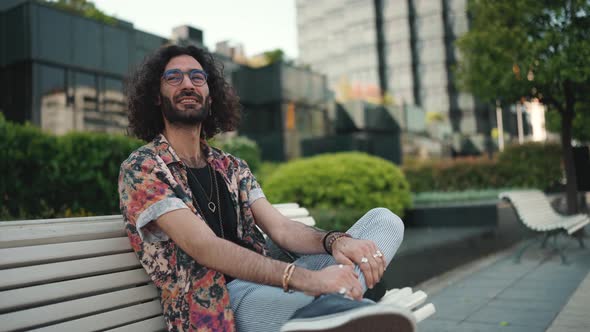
350,181
29,170
530,165
46,176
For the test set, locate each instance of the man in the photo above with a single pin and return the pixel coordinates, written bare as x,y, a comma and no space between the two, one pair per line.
191,213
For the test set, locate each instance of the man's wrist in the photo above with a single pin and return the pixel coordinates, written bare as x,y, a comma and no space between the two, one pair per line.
299,278
331,238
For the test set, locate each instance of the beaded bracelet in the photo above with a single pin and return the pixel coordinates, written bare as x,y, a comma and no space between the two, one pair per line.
333,240
324,241
287,276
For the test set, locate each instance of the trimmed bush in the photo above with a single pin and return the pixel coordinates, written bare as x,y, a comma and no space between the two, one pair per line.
453,175
349,181
531,165
29,170
44,176
89,169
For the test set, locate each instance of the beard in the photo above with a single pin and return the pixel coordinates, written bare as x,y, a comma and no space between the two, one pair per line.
191,115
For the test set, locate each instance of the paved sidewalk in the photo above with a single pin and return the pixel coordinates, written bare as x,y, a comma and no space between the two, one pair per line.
517,297
575,316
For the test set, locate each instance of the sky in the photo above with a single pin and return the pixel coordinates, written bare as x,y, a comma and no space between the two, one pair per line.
259,25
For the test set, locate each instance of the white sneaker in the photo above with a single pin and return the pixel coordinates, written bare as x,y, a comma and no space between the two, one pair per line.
336,313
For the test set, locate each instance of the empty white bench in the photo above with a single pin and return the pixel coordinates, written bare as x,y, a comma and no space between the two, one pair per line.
80,274
535,211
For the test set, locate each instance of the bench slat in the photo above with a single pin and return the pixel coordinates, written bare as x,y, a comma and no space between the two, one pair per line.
155,324
309,221
114,217
37,274
21,298
110,319
31,318
23,256
295,213
47,231
28,235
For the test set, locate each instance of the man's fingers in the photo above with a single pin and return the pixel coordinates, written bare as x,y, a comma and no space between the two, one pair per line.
340,258
365,265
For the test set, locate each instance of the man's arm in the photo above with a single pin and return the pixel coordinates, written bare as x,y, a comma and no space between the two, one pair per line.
287,234
297,237
198,240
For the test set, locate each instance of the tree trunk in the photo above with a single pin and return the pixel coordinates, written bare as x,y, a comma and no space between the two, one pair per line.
567,117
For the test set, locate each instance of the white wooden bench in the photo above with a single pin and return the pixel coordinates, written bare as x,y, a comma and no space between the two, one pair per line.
535,212
80,274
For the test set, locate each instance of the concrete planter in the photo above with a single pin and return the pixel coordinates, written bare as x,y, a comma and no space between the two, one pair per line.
482,213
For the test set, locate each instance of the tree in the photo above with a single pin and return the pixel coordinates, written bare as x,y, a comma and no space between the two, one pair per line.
83,8
580,124
532,48
273,56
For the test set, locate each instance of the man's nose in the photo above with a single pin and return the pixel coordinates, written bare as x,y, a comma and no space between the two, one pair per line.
186,82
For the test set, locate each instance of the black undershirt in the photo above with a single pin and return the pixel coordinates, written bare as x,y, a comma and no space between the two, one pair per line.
228,211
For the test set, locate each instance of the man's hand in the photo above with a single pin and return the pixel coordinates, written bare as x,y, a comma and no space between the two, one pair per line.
364,253
340,279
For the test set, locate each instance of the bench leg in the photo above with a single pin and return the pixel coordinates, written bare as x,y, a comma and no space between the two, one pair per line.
581,240
523,249
545,240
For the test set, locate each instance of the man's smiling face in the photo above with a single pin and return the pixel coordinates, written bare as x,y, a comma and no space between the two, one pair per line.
185,103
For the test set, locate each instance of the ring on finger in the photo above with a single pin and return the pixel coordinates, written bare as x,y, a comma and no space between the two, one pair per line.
341,266
342,290
364,260
378,253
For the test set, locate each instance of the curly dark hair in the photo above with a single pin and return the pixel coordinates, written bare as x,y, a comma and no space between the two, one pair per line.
143,88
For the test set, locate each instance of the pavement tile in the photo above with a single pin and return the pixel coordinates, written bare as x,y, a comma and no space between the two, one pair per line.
460,291
564,285
566,329
573,320
494,315
484,283
483,327
547,294
457,309
526,305
437,325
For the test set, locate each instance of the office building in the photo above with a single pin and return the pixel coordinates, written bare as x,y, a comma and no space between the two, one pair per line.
400,49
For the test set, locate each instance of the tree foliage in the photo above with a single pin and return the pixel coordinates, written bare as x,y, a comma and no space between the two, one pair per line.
83,8
580,124
530,48
273,56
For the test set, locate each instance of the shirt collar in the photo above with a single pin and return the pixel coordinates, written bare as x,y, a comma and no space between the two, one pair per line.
165,150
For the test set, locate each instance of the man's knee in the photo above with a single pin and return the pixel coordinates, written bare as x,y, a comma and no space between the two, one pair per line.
387,220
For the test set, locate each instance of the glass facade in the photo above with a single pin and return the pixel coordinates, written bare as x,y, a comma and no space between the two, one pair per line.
64,72
419,50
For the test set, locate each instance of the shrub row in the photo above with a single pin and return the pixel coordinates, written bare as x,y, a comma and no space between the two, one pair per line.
530,165
45,176
348,181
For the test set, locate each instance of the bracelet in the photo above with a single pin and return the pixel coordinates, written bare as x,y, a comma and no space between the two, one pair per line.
335,238
287,276
324,241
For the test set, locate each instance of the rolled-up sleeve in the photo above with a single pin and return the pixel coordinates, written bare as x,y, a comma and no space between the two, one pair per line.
248,184
146,193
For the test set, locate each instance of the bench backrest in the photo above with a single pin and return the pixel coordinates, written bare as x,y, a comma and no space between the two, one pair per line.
532,207
76,274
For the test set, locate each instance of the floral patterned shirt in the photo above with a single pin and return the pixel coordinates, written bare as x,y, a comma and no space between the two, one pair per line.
153,181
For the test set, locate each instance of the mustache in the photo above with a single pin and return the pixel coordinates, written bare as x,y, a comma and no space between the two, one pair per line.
189,93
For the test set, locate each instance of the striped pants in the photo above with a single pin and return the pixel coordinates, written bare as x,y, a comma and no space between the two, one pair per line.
263,308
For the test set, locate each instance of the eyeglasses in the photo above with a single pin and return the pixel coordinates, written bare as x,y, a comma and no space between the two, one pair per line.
176,76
